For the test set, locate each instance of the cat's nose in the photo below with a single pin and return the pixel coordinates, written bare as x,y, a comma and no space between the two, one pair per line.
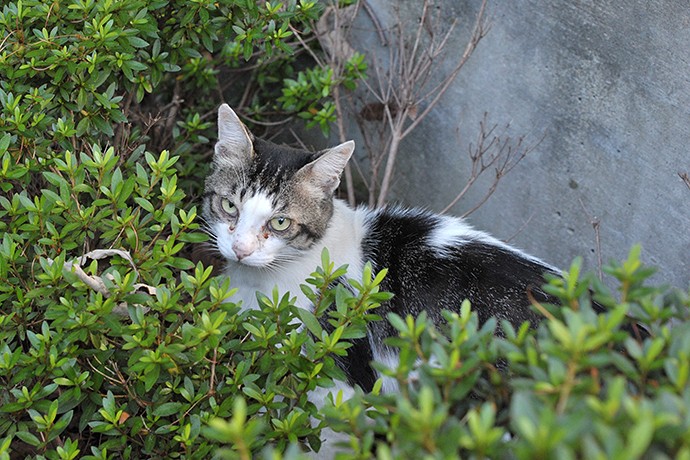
242,250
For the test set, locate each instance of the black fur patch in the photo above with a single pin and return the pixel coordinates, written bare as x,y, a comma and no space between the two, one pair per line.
495,279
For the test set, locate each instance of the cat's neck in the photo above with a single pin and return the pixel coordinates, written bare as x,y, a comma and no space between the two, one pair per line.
343,241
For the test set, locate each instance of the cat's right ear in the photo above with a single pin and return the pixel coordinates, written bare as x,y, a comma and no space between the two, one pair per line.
234,146
323,174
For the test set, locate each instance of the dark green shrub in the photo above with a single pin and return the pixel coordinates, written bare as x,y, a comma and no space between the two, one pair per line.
146,76
580,385
103,116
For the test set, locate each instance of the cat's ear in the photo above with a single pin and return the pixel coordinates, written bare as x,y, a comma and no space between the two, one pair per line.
324,172
234,144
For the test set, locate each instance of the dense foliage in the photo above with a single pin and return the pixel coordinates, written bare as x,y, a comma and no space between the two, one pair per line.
114,344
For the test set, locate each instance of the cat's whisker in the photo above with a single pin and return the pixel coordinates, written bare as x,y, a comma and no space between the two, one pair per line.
278,263
210,247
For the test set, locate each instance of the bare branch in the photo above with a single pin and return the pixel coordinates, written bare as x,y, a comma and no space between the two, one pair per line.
349,185
521,229
479,31
596,225
388,173
685,177
313,55
333,39
493,151
377,23
401,91
400,95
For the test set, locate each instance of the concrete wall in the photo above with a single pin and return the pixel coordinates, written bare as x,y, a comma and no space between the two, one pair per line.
607,86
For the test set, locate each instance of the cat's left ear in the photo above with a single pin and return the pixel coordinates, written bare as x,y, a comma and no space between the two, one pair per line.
235,143
324,172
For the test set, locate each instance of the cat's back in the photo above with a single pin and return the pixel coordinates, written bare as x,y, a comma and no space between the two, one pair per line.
436,261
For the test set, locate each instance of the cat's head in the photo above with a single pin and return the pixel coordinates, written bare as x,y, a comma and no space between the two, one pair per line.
264,203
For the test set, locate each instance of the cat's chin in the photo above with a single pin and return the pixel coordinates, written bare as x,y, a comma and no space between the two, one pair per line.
252,262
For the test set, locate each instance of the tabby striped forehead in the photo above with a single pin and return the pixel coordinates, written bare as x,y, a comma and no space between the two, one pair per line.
243,183
271,171
270,179
265,198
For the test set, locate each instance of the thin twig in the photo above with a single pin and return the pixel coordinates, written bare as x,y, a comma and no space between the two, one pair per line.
174,108
311,52
535,303
267,123
247,89
377,24
212,383
686,178
349,185
4,40
596,225
496,151
479,31
521,229
120,136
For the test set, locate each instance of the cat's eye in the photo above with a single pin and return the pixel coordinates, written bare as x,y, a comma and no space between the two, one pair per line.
228,207
280,224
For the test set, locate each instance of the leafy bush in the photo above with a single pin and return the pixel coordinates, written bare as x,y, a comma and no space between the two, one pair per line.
140,75
114,344
99,300
580,385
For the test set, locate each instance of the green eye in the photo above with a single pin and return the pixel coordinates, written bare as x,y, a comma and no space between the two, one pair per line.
228,207
280,224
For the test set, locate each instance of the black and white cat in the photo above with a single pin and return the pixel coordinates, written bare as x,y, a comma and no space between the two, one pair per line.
271,210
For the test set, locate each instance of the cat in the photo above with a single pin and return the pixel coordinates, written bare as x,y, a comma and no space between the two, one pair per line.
271,210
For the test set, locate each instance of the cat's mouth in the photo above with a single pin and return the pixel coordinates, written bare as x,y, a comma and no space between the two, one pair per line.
254,260
250,262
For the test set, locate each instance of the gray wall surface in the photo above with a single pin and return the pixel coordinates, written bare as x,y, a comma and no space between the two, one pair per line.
606,84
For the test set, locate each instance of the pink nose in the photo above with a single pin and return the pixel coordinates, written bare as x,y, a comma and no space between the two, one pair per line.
242,250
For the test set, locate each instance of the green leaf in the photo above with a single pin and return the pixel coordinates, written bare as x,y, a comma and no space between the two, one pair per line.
397,322
249,327
640,436
310,321
5,142
28,438
137,42
144,203
27,203
150,378
167,409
